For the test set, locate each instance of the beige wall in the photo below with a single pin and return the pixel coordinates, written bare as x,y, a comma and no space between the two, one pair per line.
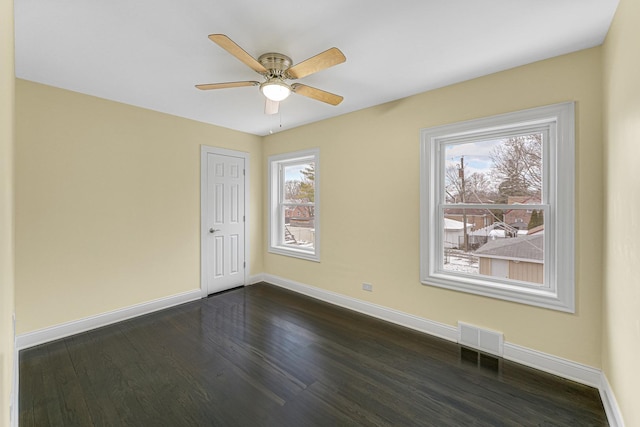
621,297
108,204
370,177
7,79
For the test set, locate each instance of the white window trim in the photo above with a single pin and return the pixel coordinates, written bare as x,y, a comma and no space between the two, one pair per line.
274,225
559,164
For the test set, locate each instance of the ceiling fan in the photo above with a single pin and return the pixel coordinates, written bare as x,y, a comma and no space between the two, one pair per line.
276,69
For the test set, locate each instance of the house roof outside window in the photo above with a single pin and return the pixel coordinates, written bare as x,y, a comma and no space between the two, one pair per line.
524,248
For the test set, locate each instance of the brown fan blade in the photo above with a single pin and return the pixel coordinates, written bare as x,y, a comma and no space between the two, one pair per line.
271,107
321,61
317,94
230,46
226,85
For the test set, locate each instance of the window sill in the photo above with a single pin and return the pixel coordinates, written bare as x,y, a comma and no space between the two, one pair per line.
295,253
539,297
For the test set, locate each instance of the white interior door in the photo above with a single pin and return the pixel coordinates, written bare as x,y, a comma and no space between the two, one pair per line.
224,222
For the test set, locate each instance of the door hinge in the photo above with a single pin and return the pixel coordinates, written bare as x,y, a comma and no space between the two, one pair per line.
243,218
244,264
244,172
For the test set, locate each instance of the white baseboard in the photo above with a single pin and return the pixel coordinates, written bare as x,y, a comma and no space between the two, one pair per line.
437,329
15,392
256,278
536,359
614,416
553,364
52,333
15,387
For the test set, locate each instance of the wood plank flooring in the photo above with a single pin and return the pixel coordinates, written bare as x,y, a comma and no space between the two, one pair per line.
263,356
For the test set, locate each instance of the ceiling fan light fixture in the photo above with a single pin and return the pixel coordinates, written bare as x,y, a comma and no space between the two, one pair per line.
275,90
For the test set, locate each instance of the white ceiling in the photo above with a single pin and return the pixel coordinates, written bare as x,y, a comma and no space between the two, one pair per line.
151,53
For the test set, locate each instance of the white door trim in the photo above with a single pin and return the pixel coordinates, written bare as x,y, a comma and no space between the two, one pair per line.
204,151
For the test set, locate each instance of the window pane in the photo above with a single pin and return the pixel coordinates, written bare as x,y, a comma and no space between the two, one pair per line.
299,228
507,171
299,216
505,244
299,183
499,171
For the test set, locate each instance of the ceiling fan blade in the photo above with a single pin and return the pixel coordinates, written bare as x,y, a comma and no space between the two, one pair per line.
271,107
321,61
226,85
230,46
317,94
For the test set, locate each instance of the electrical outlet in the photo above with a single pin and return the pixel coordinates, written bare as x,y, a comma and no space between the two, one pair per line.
367,287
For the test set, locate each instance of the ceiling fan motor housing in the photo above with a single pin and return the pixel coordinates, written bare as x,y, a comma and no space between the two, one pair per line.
275,63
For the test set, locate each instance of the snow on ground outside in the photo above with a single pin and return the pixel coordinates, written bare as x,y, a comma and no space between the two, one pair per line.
463,263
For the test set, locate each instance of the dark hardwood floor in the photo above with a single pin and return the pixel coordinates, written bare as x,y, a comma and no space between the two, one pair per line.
263,356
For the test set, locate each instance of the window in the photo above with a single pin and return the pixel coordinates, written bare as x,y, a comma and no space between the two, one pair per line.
294,200
497,206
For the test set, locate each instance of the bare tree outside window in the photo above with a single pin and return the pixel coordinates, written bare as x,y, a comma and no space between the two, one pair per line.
517,165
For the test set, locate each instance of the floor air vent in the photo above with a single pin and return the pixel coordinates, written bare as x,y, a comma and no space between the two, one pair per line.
480,339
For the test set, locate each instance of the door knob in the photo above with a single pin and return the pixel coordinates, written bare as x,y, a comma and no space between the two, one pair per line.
213,230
